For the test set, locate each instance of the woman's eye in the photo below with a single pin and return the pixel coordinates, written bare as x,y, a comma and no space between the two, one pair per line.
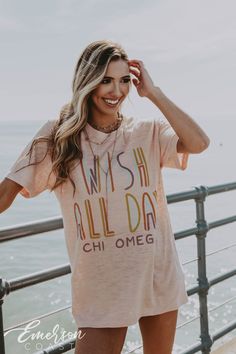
105,81
127,80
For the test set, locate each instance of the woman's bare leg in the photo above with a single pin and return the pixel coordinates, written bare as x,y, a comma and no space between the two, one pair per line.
100,340
158,332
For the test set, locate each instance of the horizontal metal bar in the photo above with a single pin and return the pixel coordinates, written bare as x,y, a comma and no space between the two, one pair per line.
221,277
51,273
70,344
194,230
55,223
31,228
196,347
224,330
182,196
38,277
195,289
192,349
185,233
221,222
60,347
192,194
226,187
45,315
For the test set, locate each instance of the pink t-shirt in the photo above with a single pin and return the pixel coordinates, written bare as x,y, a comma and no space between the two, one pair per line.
117,228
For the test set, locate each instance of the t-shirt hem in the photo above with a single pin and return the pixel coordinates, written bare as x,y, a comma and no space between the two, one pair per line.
26,190
181,158
132,322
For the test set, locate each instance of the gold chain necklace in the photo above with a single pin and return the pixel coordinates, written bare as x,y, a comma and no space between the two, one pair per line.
96,157
106,138
110,127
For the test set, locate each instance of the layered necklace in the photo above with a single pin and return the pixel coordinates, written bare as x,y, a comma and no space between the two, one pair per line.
109,129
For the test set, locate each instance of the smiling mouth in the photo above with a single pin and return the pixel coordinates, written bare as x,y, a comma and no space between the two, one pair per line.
111,103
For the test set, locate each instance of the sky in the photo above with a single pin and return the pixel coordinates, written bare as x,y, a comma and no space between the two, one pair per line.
188,48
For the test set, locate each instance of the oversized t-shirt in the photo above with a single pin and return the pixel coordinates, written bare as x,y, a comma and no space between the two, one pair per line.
118,234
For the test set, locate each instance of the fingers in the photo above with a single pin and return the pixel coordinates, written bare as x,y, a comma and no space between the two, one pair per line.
136,82
135,67
135,72
137,78
136,63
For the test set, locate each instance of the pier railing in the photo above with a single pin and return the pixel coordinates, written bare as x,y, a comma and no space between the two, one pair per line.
198,194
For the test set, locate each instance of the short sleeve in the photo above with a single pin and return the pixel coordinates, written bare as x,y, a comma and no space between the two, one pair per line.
34,178
169,157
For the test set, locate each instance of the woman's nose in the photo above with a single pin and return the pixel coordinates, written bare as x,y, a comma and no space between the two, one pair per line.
116,90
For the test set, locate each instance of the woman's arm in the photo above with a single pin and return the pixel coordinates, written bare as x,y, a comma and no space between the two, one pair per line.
192,138
8,191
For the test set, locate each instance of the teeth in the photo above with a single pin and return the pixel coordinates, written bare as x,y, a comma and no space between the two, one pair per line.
111,101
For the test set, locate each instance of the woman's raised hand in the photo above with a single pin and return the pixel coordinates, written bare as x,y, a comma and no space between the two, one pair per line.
142,80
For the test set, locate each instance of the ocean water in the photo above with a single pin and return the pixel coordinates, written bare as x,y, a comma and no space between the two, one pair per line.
214,166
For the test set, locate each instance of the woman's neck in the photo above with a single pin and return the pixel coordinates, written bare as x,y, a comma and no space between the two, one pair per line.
103,121
107,127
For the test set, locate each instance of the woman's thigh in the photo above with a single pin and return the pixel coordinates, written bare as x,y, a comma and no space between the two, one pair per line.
100,340
158,332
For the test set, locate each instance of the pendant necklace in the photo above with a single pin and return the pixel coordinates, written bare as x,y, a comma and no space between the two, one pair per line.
96,157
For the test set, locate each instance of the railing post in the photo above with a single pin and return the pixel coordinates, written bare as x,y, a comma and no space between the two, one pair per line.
202,227
3,291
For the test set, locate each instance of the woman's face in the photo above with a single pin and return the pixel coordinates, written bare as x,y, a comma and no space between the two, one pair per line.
113,89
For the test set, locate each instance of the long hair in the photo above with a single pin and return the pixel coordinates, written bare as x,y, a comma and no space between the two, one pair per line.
64,141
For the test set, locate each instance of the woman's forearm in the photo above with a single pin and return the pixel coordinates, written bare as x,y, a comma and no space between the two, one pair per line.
190,134
8,191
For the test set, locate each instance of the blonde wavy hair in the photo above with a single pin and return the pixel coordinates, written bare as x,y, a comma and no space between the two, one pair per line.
64,142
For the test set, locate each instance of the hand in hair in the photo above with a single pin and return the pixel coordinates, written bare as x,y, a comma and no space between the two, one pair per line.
142,80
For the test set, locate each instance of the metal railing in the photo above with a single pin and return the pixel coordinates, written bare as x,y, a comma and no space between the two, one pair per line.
198,194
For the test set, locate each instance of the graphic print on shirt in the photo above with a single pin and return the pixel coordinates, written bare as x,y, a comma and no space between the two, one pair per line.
139,209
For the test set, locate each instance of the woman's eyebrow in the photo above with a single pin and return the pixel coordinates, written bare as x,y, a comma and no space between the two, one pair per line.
109,77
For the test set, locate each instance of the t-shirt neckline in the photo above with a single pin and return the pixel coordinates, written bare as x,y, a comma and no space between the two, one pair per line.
99,135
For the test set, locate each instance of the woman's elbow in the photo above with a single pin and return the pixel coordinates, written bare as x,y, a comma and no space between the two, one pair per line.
200,147
195,148
205,144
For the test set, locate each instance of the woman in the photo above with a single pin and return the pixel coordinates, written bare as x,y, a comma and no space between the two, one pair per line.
105,170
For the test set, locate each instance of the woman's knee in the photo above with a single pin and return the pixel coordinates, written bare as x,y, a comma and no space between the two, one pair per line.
100,340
